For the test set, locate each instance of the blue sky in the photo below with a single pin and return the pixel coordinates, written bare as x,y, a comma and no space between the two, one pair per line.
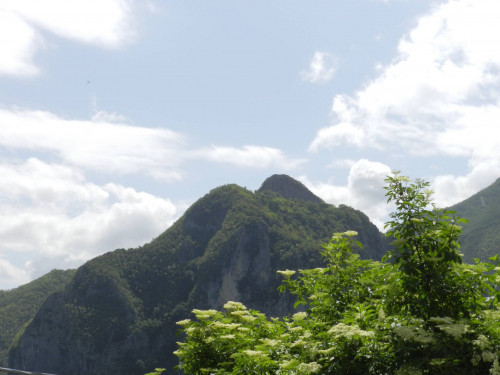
116,115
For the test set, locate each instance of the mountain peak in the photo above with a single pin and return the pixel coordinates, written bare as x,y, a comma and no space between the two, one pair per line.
289,188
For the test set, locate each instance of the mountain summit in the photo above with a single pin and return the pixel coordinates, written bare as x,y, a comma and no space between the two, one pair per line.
289,188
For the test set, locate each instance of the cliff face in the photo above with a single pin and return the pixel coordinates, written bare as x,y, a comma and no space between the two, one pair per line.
118,313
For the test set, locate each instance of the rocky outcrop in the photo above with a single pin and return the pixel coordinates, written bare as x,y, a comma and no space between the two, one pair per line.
248,275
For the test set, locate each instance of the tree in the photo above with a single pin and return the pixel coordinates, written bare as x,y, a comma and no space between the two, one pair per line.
420,312
427,252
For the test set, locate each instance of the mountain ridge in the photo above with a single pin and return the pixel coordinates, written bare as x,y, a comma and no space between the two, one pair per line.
481,235
118,313
117,303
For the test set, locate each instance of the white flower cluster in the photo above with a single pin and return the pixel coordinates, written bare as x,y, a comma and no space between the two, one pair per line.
286,273
348,331
234,306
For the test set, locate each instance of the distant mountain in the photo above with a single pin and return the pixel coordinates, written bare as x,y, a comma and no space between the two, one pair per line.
118,313
481,235
18,306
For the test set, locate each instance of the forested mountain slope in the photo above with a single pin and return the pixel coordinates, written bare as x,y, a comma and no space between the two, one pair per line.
481,235
118,314
18,306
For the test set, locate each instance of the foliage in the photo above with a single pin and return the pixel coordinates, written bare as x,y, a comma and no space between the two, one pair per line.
421,312
426,251
157,371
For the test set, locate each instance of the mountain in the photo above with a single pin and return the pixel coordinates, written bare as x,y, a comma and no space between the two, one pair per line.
481,235
289,188
18,306
117,315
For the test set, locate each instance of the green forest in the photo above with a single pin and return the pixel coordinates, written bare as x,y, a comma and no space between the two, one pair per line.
421,310
18,306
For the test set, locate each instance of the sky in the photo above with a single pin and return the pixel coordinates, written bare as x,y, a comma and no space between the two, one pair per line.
117,115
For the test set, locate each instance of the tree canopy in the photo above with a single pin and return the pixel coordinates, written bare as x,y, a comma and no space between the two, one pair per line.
419,311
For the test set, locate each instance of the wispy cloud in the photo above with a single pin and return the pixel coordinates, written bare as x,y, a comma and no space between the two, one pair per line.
97,145
440,96
322,68
249,156
106,144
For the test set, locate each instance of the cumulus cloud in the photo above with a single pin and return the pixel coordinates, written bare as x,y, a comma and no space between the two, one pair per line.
96,145
440,96
363,191
250,156
322,68
105,23
54,216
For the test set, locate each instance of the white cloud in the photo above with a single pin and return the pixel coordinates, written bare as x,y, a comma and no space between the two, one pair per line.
440,96
53,215
11,276
105,23
95,145
19,42
103,116
250,156
454,189
322,68
363,191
